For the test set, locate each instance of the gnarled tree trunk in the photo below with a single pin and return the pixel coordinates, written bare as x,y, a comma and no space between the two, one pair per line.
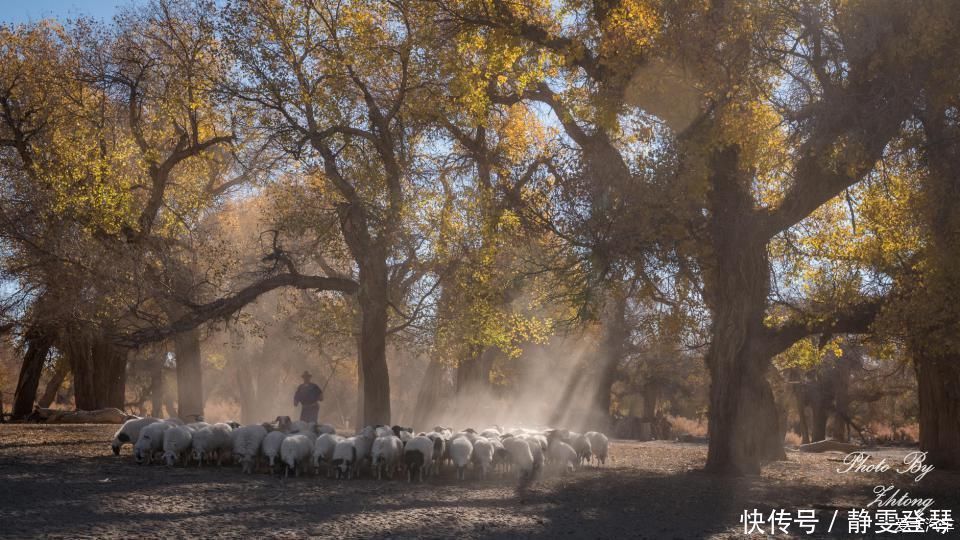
37,346
99,368
373,372
744,425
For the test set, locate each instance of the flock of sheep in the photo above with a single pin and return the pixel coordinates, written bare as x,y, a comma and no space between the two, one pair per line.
295,447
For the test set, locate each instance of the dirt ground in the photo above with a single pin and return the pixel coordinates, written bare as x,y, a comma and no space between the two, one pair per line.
63,481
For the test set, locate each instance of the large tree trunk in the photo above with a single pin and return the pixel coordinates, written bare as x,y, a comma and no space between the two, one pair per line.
431,394
53,385
189,374
35,354
744,424
374,374
938,385
99,369
612,351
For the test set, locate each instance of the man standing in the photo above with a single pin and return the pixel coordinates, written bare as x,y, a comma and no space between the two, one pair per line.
310,395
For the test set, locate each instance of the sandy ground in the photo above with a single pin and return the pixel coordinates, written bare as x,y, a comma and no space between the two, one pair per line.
63,481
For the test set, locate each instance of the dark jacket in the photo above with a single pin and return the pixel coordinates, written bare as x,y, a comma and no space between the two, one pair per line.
308,394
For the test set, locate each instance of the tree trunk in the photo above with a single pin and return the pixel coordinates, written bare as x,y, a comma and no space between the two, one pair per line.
99,369
157,387
744,425
651,394
189,375
431,394
35,354
938,386
54,384
374,374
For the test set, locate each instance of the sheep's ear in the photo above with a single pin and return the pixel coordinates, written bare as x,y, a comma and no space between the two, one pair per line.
123,437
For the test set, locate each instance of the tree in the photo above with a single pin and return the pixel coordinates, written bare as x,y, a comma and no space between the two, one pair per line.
715,76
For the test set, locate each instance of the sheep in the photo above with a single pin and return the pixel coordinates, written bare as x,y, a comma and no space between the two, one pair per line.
202,445
175,421
563,455
581,444
222,440
386,454
344,458
363,443
536,449
197,426
129,432
302,427
461,451
490,434
439,450
271,447
295,452
176,444
521,457
397,430
150,441
283,423
501,459
323,451
417,455
483,452
599,445
383,431
324,429
246,445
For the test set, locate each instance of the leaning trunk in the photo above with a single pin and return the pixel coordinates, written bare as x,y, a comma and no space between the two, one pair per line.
189,375
54,384
35,354
744,424
938,385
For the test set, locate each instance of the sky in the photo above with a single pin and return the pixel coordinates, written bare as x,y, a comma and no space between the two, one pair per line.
21,11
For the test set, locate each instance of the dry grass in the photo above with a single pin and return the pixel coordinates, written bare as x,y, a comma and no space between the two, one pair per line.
885,433
681,425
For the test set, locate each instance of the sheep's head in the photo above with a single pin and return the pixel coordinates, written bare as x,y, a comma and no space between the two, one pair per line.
197,454
247,463
116,447
170,458
142,449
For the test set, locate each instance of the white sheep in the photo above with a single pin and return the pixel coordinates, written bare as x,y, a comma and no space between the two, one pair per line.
150,441
271,447
222,441
536,449
501,459
520,456
202,445
344,458
197,426
483,452
383,431
599,445
295,452
439,451
246,445
563,455
323,429
129,432
364,444
386,452
323,451
461,452
176,444
417,456
581,444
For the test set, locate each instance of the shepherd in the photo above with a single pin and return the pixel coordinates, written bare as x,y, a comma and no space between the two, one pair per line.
310,395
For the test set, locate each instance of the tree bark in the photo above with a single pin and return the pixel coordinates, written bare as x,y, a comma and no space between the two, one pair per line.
35,354
938,386
99,368
189,374
744,425
157,386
